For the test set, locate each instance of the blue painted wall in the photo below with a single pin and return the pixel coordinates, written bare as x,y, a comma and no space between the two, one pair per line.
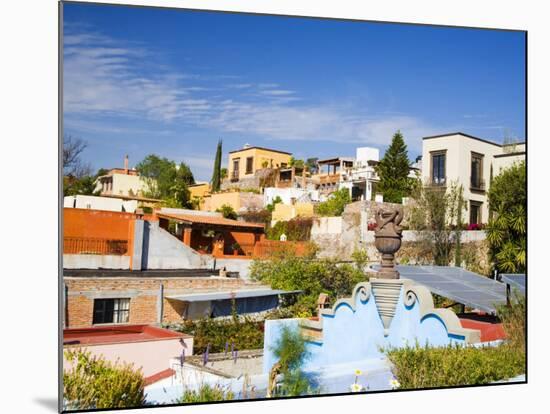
358,335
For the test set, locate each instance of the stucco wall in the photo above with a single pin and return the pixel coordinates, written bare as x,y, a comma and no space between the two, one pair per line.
152,356
273,159
283,212
236,265
95,261
354,331
161,250
458,159
340,236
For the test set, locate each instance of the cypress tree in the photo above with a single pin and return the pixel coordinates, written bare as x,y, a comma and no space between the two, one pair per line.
393,171
216,175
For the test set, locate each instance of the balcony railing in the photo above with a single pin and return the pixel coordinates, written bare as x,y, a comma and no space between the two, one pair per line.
439,181
477,185
84,245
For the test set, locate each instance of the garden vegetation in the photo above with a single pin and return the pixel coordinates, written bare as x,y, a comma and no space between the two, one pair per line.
289,272
94,383
507,227
456,365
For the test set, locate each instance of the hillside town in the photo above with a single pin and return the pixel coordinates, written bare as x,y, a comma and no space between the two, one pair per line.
195,283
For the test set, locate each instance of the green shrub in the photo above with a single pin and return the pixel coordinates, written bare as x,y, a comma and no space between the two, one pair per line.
335,205
513,321
296,229
206,393
455,365
361,258
257,216
94,383
271,206
227,211
242,331
312,277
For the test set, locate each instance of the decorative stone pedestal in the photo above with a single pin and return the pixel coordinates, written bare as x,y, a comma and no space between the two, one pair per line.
386,294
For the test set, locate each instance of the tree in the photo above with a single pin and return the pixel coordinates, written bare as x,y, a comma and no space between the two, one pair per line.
291,352
79,186
393,170
83,185
166,181
437,213
336,203
216,175
506,230
311,164
296,163
73,166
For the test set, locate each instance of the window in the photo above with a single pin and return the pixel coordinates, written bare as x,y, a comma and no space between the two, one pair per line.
111,310
235,172
249,165
476,172
475,212
438,168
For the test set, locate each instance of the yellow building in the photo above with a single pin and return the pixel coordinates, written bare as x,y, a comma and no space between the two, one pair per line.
199,190
284,212
238,200
245,162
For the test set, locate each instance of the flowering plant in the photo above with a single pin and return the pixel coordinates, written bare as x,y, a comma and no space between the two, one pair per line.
394,384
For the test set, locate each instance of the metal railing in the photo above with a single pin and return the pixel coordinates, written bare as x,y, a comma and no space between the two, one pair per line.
86,245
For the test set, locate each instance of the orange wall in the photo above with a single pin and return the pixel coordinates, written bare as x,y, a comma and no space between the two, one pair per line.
97,224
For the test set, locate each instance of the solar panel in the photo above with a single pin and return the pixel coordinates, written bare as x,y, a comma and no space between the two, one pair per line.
460,285
515,280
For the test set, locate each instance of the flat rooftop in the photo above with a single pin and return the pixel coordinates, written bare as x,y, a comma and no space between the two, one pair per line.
163,273
117,334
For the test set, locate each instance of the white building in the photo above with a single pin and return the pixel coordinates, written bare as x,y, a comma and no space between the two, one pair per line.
290,195
363,175
100,203
468,161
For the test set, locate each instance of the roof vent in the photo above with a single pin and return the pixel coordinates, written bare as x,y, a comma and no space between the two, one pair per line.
247,145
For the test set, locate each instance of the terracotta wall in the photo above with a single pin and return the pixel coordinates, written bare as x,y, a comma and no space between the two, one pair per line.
97,224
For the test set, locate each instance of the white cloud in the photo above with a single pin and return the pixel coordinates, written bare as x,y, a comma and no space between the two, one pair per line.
106,77
277,92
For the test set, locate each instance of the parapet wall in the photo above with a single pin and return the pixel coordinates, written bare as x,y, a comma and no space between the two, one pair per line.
354,330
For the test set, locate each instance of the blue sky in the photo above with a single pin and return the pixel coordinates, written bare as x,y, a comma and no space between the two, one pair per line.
172,82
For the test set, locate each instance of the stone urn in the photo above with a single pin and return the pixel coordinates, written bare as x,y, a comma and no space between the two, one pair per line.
387,239
386,287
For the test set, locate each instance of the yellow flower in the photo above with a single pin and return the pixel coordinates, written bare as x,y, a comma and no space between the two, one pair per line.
358,372
356,387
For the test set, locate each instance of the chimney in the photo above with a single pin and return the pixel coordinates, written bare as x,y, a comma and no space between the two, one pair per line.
126,164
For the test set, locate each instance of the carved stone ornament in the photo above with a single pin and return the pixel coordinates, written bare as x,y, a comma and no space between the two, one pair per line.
387,239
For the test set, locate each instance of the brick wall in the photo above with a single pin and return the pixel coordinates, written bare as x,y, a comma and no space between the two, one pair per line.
143,294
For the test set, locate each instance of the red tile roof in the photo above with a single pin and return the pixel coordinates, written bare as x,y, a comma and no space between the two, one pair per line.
213,220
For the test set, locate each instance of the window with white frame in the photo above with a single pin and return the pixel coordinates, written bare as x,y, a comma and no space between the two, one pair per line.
111,310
